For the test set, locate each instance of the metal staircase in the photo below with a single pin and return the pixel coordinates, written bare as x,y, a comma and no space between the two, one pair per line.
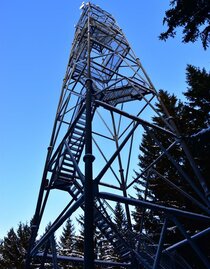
63,172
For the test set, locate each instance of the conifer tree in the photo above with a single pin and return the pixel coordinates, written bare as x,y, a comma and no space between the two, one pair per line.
79,245
67,242
198,97
192,17
67,239
119,218
198,109
14,246
121,225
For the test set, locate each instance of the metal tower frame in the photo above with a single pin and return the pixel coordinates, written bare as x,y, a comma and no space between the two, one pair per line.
106,103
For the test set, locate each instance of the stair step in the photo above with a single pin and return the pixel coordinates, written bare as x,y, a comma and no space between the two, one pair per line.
71,171
73,188
75,195
65,179
83,116
77,126
68,159
62,185
75,155
64,174
77,142
81,122
78,133
75,148
76,138
68,162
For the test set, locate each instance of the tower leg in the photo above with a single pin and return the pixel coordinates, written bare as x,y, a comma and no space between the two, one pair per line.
88,190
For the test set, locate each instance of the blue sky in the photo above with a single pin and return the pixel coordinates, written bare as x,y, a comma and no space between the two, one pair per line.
35,43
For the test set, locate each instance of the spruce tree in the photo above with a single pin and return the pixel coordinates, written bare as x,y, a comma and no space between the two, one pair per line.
192,17
198,109
121,225
79,245
14,246
119,218
67,242
198,97
67,239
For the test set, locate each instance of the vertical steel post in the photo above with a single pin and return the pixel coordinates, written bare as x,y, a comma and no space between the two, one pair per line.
88,159
160,245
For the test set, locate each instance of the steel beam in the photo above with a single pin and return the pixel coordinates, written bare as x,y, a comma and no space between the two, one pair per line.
185,241
167,210
81,261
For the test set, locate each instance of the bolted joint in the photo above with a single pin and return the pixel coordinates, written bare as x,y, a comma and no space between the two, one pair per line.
89,85
49,148
88,80
89,156
170,119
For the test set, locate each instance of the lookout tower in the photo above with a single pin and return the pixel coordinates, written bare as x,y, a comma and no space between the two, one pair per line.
106,105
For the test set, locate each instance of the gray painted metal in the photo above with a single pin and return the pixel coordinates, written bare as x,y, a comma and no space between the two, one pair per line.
106,102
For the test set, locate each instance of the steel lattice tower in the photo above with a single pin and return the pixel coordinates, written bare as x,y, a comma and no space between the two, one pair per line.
106,103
